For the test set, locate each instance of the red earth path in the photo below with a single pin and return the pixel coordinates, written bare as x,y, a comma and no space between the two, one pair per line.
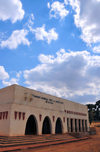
90,145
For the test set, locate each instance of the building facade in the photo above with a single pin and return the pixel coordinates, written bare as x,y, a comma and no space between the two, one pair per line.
25,111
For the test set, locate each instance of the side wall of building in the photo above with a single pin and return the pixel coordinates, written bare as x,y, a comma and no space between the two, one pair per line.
21,113
5,113
7,95
19,104
39,114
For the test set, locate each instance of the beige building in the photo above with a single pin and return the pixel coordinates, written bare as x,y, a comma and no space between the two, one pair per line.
25,111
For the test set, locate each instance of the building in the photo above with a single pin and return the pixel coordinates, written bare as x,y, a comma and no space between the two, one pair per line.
25,111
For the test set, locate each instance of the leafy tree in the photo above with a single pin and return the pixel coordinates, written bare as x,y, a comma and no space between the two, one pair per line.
91,112
97,110
94,111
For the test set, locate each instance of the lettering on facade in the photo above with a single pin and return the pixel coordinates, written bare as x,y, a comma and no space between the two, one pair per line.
50,101
75,113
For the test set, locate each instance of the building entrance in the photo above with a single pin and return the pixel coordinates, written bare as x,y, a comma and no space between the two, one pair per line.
31,126
46,129
58,129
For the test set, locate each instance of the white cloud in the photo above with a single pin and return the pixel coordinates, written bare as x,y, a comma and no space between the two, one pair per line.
72,75
10,82
3,74
96,49
46,59
87,18
11,9
58,9
18,75
2,36
13,80
5,78
66,2
42,34
48,5
30,22
17,37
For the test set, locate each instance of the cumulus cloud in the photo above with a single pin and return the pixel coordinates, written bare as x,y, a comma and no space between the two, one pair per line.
11,9
96,49
66,2
13,80
87,18
10,82
42,34
3,74
17,37
58,9
5,78
72,75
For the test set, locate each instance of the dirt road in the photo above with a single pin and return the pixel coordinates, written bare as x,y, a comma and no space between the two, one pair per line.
90,145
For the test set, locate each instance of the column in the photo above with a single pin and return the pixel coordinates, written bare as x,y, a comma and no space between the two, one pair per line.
77,125
73,125
84,126
53,124
80,125
68,125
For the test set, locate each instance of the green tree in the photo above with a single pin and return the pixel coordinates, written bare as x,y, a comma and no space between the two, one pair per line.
97,110
91,112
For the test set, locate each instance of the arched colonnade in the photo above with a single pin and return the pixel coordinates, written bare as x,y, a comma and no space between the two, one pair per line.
54,126
32,126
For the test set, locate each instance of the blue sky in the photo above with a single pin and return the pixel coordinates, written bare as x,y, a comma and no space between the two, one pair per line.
52,46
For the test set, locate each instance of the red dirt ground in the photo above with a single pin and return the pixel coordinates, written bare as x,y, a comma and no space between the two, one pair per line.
90,145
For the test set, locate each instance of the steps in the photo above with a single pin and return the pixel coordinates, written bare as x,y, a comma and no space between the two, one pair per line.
8,144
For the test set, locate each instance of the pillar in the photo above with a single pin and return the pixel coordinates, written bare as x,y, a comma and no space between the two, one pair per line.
77,125
67,124
80,125
84,126
53,124
86,129
73,125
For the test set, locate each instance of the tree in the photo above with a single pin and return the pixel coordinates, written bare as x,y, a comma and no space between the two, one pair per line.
97,110
91,112
94,111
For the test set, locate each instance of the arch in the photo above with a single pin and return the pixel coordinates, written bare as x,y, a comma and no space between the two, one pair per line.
58,128
31,126
46,127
